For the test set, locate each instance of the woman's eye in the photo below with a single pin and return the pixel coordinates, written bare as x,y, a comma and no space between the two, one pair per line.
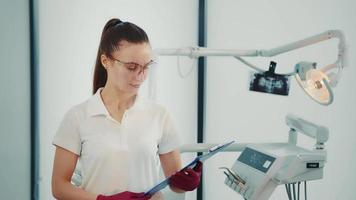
131,67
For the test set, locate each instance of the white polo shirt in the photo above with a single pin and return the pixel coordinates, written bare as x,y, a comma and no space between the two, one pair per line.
117,157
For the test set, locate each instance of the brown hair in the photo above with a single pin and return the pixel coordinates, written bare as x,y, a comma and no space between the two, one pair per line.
113,33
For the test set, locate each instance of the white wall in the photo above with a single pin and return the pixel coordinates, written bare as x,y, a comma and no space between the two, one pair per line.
15,163
235,113
69,33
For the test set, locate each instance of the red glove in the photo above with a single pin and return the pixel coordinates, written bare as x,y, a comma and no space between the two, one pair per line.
187,179
125,196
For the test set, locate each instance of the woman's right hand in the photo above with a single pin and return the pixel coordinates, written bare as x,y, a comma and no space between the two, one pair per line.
125,196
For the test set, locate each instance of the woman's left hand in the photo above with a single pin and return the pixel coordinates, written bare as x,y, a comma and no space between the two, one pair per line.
187,179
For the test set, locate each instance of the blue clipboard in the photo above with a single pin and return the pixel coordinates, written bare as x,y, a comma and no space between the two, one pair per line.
201,158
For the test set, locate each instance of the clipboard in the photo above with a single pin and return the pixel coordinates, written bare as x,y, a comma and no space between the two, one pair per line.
201,158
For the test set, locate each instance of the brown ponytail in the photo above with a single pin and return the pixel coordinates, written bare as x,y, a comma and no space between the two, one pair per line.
113,33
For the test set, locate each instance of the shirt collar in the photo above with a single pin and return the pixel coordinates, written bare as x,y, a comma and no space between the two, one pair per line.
96,105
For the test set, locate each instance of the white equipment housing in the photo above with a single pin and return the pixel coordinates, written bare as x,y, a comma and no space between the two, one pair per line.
260,168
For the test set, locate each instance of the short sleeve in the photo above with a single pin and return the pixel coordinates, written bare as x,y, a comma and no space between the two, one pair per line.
67,135
170,139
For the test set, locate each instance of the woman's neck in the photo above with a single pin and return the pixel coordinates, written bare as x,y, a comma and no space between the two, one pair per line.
116,98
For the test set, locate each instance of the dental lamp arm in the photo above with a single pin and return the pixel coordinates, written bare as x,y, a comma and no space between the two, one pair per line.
319,133
306,42
195,52
201,51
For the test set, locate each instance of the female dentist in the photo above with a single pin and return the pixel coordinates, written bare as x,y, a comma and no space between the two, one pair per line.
118,136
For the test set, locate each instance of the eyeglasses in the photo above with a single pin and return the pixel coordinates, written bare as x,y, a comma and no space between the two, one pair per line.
135,67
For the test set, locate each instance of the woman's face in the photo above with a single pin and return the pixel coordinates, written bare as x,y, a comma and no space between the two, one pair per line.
128,68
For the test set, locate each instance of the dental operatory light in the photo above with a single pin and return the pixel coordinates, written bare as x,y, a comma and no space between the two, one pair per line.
316,82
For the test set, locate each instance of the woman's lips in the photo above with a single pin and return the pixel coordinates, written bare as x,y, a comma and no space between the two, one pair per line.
135,86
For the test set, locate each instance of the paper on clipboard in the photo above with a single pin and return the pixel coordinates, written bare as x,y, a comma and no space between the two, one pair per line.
200,158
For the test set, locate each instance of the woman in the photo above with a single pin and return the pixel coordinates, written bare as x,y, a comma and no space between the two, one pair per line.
119,137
